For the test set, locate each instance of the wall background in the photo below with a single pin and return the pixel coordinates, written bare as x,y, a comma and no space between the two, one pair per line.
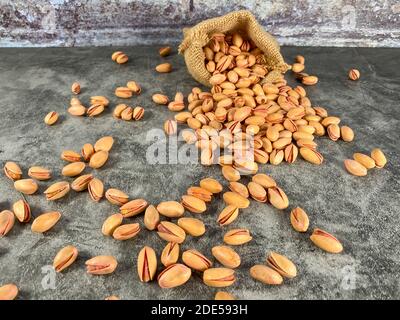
365,23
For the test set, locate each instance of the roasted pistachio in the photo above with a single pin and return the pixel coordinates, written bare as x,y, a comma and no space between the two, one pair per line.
26,186
98,159
45,221
12,170
126,231
174,275
111,223
192,226
265,275
170,232
101,265
282,265
64,258
133,207
193,204
170,254
81,183
22,211
7,220
228,215
196,260
146,264
326,241
226,256
299,219
96,189
8,291
151,217
171,209
116,196
39,173
219,277
237,237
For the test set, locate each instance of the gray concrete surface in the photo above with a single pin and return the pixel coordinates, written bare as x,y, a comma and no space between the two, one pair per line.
360,23
362,212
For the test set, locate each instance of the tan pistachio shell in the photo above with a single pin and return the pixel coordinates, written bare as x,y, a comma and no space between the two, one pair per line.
282,265
170,232
278,198
235,199
96,189
237,237
82,182
193,204
26,186
7,220
299,219
64,258
116,196
8,292
151,217
239,188
222,295
101,265
98,159
265,275
104,144
133,207
39,173
170,254
219,277
126,231
196,260
45,221
146,264
73,169
70,156
192,226
57,190
22,211
326,241
228,215
211,185
171,209
12,170
174,275
111,223
200,193
379,157
226,256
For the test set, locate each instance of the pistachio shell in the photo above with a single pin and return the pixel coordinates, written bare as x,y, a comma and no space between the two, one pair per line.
226,256
192,226
98,159
379,157
257,192
22,211
101,265
264,180
87,151
151,217
235,199
8,292
311,155
326,241
200,193
26,186
299,219
347,134
45,221
196,260
12,170
171,209
96,189
111,223
230,173
228,215
237,237
51,118
39,173
126,231
282,265
116,196
193,204
6,222
365,160
170,232
174,275
70,156
211,185
146,264
104,144
133,207
81,183
265,275
57,190
239,188
355,168
64,258
219,277
170,254
277,197
73,169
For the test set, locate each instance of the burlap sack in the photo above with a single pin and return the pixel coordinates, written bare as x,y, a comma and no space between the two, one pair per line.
242,21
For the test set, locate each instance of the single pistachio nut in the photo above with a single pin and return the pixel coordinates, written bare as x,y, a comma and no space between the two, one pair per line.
265,275
8,292
164,67
160,98
326,241
126,231
299,219
96,189
87,151
116,196
119,57
45,221
146,264
22,211
193,204
73,169
170,127
211,185
7,220
226,256
278,198
51,118
76,88
170,232
297,67
228,215
151,217
282,265
311,155
81,183
264,180
354,74
239,188
75,102
237,237
71,156
355,168
99,100
138,113
222,295
57,190
235,199
219,277
309,80
192,226
164,51
200,193
101,265
95,110
104,144
347,133
134,87
12,170
119,108
333,131
257,192
123,92
64,258
196,260
77,110
98,159
174,275
379,157
39,173
171,209
127,114
133,207
111,223
365,160
170,254
26,186
330,120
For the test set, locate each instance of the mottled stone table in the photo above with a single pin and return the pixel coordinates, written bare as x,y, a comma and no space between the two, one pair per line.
362,212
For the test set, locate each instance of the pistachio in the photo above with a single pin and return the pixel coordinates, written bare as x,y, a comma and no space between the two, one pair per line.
265,274
170,254
196,260
95,110
138,113
245,166
170,232
309,80
133,207
219,277
98,159
164,51
222,295
104,144
123,92
355,168
26,186
7,220
73,169
12,170
127,114
193,204
96,189
235,199
8,292
22,211
39,173
379,157
326,241
278,198
347,133
333,131
146,264
81,183
151,217
76,88
236,237
70,156
354,74
51,118
239,188
291,152
117,113
126,231
299,59
192,226
99,100
299,219
171,209
257,192
174,275
64,258
77,110
264,180
282,265
211,185
297,67
57,190
200,193
116,196
226,256
160,98
111,223
170,127
365,160
311,155
330,120
164,67
228,215
119,57
101,265
45,221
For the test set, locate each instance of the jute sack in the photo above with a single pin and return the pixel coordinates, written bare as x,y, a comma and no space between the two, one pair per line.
242,21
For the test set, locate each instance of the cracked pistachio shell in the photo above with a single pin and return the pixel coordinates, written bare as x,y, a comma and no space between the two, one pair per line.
170,254
365,160
126,231
26,186
192,226
81,183
8,292
237,237
200,193
355,168
265,275
299,219
226,256
7,220
278,198
211,185
45,221
119,109
39,173
193,204
64,258
170,232
99,100
12,170
311,155
174,275
111,223
116,196
70,156
264,180
104,144
239,188
257,192
151,217
230,173
98,159
57,190
73,169
282,265
96,189
101,265
87,151
171,209
51,118
347,133
196,260
326,241
146,264
379,158
222,295
22,211
95,110
219,277
133,207
228,215
235,199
